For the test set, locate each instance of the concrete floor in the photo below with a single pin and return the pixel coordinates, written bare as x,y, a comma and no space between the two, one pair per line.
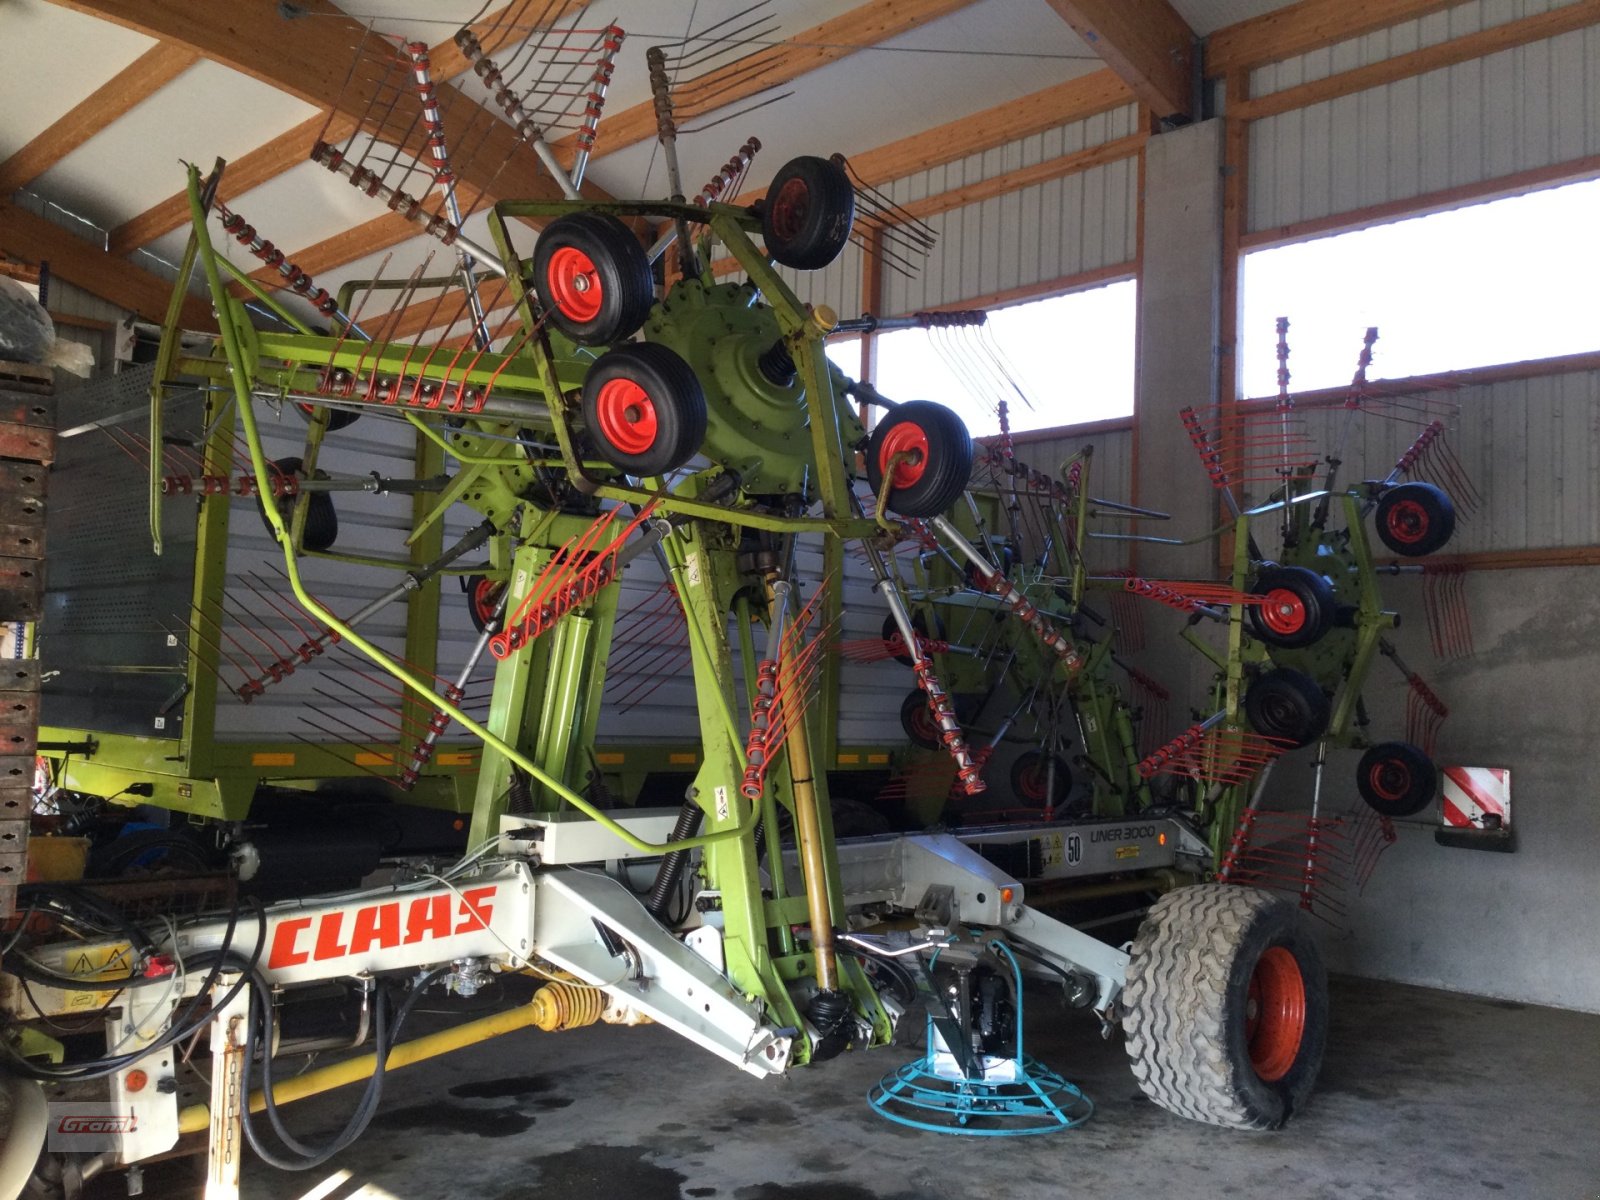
1424,1095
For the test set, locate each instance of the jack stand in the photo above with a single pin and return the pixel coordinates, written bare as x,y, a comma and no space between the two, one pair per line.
960,1087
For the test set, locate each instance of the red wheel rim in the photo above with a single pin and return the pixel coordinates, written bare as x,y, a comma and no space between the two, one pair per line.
1031,782
1283,612
790,208
1407,522
923,726
1389,779
627,416
1275,1014
574,284
484,598
907,439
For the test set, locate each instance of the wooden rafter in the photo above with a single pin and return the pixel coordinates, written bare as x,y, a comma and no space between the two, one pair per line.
1041,172
288,150
309,58
1303,27
859,29
80,262
129,87
1145,42
1086,96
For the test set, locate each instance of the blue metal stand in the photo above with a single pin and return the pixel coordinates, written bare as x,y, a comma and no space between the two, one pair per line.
1010,1097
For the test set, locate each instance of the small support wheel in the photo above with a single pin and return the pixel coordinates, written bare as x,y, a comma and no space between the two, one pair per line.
644,408
1415,519
1030,775
338,418
1226,1006
808,212
934,454
483,597
1288,704
1397,779
322,523
1299,606
593,278
916,718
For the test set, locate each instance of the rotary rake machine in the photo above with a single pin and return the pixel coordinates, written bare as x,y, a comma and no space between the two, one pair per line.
1305,626
598,421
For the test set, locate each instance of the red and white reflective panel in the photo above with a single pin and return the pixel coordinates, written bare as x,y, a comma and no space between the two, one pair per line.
1472,793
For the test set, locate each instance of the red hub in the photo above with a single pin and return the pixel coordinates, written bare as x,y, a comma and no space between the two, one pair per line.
1032,781
485,595
574,284
1275,1014
1408,522
907,439
1390,779
790,209
1283,612
627,416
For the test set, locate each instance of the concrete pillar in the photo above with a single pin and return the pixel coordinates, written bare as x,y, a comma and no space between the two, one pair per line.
1179,294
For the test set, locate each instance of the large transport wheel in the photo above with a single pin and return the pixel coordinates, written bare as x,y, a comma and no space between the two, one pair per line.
1226,1006
916,718
1297,609
808,212
1397,779
937,463
644,408
1415,519
593,278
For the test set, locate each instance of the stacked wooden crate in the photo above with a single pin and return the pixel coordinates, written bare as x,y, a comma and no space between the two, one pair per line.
27,447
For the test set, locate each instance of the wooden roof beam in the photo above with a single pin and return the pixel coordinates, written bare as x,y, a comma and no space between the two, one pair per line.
309,57
81,262
125,90
1146,43
1303,27
862,28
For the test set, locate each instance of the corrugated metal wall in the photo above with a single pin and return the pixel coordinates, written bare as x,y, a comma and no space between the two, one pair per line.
1523,108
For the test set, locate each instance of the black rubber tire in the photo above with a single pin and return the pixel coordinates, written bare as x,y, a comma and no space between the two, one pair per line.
939,477
916,718
616,264
673,426
1029,775
808,212
1186,1001
1289,704
483,594
338,418
322,522
1415,519
1301,606
1397,779
919,622
855,818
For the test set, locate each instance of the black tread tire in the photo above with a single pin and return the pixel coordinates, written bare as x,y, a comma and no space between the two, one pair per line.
622,268
946,469
1184,1005
482,595
808,212
1289,704
1028,776
919,622
338,418
676,397
1414,519
1310,591
917,720
322,522
855,818
1397,779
